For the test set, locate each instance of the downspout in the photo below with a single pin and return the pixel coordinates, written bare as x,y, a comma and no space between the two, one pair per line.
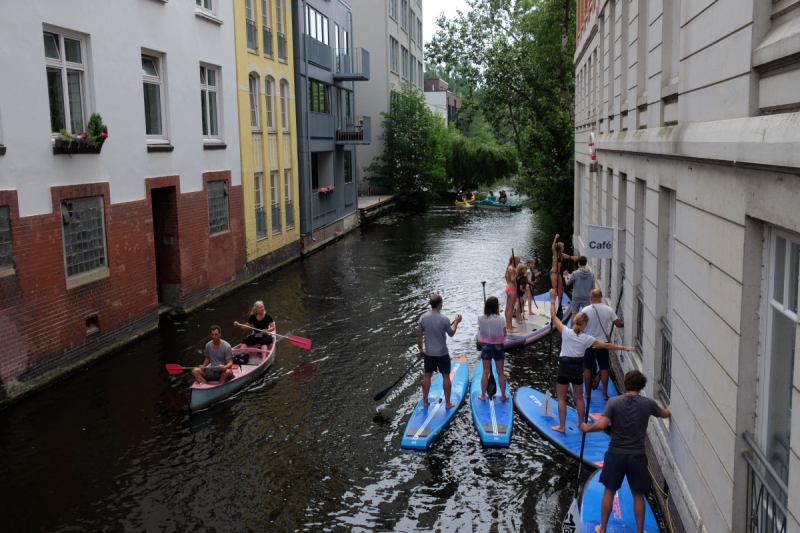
308,122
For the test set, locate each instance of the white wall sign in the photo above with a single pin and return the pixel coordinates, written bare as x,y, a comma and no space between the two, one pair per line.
601,242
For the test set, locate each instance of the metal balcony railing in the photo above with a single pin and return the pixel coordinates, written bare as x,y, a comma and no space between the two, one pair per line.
767,494
639,319
354,130
267,36
276,218
289,215
321,125
252,36
319,53
351,65
665,380
261,223
281,46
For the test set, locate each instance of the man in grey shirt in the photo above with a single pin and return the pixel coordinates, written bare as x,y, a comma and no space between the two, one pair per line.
625,456
432,328
583,281
218,362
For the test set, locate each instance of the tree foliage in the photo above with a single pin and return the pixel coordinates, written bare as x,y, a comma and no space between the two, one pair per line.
476,158
520,54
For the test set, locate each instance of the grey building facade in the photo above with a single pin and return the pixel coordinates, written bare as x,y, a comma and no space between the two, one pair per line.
327,69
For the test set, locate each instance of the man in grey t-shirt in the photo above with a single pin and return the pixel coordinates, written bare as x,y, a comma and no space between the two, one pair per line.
218,360
625,456
432,328
583,281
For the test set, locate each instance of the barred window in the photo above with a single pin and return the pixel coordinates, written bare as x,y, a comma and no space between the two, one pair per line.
218,206
84,235
6,251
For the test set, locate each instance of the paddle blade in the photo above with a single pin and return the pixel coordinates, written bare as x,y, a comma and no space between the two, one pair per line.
381,394
572,522
175,369
547,405
491,388
301,342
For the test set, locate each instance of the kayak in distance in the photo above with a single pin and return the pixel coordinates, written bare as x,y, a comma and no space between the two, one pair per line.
206,394
622,519
528,402
465,203
492,416
427,423
493,205
536,326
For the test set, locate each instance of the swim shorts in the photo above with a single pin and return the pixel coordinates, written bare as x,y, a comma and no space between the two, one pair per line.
442,363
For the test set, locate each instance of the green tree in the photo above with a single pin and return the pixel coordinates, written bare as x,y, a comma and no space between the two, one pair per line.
412,165
477,159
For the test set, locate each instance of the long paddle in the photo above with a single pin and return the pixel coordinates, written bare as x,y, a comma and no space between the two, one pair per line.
573,519
297,341
178,369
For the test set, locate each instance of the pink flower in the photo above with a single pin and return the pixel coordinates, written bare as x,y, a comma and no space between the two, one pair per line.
105,135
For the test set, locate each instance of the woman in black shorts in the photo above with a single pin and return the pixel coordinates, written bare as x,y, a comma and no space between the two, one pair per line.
260,320
574,343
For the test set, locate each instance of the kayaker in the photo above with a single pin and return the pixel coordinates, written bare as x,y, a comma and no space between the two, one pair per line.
492,328
432,328
459,197
218,360
522,290
511,291
468,196
626,457
574,343
558,257
260,320
600,316
531,264
583,279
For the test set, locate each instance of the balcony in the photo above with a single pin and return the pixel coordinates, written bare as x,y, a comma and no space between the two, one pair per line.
767,493
289,215
353,66
281,46
267,36
321,125
261,223
318,53
354,130
276,218
252,36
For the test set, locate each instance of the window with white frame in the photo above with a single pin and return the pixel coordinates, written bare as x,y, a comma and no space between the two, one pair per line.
84,235
412,25
65,59
261,216
287,186
6,248
273,189
419,32
316,25
217,207
393,9
209,6
405,61
270,98
420,75
404,14
154,108
254,122
285,105
279,16
209,89
412,71
394,51
266,29
250,25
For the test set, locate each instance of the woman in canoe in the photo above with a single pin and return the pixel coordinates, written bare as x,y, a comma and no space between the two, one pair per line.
511,291
574,342
493,335
558,257
260,320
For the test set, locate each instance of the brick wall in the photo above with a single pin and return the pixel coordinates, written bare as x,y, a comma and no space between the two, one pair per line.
325,235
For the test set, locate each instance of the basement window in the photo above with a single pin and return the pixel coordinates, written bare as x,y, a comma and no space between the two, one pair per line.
218,207
6,249
92,325
84,235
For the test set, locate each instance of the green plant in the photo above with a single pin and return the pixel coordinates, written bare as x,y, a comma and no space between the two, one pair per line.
93,138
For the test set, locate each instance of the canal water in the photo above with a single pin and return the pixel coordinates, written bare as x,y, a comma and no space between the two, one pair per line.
115,447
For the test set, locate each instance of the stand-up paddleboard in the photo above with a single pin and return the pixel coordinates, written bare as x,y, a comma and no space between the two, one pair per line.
427,423
529,400
622,519
492,416
598,404
536,326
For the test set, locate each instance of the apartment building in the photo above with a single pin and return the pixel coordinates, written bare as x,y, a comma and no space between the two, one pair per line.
440,100
695,106
267,131
392,31
327,68
94,241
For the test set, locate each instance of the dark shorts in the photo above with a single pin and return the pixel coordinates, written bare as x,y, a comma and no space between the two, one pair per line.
577,306
617,466
570,372
252,340
441,363
212,374
493,351
595,354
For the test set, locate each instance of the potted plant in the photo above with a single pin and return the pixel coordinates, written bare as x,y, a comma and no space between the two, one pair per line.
88,142
327,189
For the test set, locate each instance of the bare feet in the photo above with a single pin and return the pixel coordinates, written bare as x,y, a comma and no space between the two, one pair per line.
606,398
482,397
598,530
585,395
504,398
512,330
558,428
450,405
425,404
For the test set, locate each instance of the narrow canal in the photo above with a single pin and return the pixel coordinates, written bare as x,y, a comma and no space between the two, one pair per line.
115,448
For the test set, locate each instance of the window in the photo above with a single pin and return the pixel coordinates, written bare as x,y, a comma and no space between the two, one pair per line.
254,103
419,32
348,167
287,191
259,190
64,57
404,14
206,5
411,26
393,9
84,235
394,51
261,217
319,97
394,97
316,25
279,16
270,97
208,97
266,28
285,105
153,101
314,171
273,188
6,249
250,22
413,70
218,207
420,77
405,61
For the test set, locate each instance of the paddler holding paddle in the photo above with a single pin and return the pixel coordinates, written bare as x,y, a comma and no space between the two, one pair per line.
218,360
432,328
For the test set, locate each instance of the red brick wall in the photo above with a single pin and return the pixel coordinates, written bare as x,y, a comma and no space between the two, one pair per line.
434,85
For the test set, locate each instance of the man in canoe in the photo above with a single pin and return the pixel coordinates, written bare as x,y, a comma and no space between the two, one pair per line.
218,360
600,316
460,197
583,279
625,457
432,329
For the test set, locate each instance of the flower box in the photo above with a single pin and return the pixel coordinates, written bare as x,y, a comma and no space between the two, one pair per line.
326,189
88,142
62,146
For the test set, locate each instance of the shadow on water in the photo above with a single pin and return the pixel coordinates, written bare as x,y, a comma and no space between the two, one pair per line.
115,448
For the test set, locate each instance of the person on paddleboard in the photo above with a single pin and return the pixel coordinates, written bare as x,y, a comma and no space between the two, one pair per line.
625,457
600,316
493,335
432,329
522,290
218,360
511,291
583,281
260,320
558,257
531,264
574,343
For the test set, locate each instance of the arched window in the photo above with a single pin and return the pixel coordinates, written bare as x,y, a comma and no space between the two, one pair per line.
268,85
254,102
285,105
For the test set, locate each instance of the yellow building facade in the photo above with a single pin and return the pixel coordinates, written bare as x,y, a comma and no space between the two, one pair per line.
267,126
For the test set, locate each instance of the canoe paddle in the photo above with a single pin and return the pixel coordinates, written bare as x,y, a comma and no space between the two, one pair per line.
572,521
178,369
297,341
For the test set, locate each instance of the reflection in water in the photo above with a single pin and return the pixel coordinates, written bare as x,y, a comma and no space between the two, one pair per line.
114,447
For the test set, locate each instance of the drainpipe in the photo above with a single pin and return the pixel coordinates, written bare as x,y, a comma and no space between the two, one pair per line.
308,120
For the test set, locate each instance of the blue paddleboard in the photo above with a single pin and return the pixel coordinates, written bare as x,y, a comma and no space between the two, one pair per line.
598,403
493,417
427,423
622,519
529,400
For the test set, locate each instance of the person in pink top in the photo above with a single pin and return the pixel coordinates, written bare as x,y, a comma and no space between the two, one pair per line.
493,336
511,291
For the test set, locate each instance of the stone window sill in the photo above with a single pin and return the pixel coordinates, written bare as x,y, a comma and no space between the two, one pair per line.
208,16
7,272
88,277
214,146
154,148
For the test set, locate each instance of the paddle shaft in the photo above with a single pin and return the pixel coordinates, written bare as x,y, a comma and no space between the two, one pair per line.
484,291
619,301
583,438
